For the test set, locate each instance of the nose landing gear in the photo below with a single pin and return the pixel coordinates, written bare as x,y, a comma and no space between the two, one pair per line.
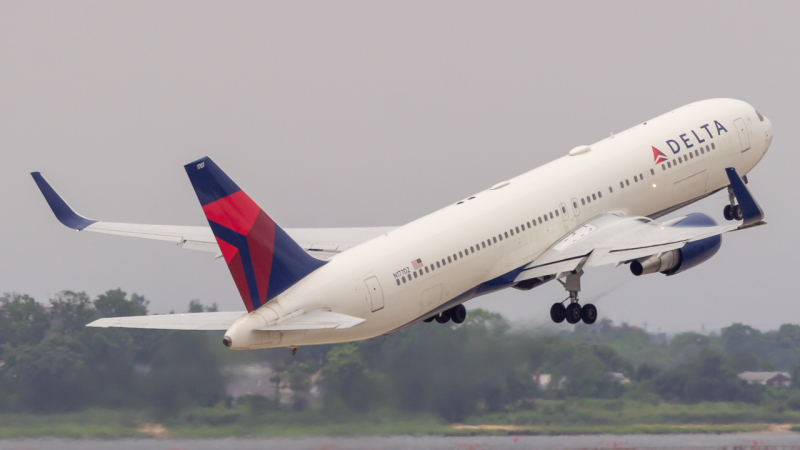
574,312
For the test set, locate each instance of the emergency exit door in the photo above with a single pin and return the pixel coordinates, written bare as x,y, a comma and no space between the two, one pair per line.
375,293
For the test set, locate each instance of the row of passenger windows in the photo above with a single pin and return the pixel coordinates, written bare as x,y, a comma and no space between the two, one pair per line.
480,245
691,155
541,219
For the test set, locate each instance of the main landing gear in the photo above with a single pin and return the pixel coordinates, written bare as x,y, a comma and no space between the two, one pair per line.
732,211
458,314
574,312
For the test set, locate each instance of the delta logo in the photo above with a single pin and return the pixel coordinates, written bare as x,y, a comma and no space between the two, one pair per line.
658,157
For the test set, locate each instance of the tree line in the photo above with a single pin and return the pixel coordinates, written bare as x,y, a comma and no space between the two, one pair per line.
53,363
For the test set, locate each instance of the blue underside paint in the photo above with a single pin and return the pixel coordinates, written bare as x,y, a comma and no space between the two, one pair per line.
63,212
700,251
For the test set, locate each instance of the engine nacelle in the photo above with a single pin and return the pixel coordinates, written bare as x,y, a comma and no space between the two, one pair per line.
680,260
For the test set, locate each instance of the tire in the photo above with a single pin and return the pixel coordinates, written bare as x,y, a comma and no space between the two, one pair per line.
737,212
588,314
444,317
727,212
429,319
558,313
573,313
458,314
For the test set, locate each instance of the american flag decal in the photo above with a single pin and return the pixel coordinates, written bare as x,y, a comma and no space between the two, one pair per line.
417,263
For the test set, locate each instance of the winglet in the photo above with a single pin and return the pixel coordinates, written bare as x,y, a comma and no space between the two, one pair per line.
61,209
751,212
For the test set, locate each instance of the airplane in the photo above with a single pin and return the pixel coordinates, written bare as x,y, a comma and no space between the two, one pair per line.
596,205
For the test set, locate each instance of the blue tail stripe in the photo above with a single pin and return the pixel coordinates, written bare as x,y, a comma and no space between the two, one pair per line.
60,208
290,264
209,181
240,242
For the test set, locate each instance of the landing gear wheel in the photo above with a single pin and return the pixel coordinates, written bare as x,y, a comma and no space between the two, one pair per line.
444,317
558,312
727,212
736,211
429,319
588,314
573,313
458,314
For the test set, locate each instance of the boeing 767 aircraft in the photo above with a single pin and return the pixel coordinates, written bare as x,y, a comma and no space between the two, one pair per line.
596,205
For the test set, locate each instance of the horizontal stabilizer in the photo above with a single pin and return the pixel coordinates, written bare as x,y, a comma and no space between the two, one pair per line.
315,320
188,321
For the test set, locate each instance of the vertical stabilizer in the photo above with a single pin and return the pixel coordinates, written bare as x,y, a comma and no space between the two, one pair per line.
264,261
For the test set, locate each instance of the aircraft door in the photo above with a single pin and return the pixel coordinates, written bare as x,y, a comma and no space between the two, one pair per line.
744,136
375,293
575,209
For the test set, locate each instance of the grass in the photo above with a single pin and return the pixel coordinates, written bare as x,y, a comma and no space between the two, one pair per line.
548,417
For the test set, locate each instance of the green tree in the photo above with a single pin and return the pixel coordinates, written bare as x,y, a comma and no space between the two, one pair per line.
22,320
114,303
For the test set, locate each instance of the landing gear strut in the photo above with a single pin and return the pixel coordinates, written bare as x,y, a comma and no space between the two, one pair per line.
573,313
732,211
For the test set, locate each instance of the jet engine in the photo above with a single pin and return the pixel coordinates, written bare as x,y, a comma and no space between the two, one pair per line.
680,260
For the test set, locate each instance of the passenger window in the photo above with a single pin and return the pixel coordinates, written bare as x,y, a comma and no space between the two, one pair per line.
472,249
545,217
674,162
610,191
449,260
713,147
398,281
564,209
702,151
621,184
599,194
641,177
426,269
594,197
511,231
501,236
540,220
556,213
635,179
517,229
495,240
529,224
460,255
506,233
551,215
696,153
652,172
583,202
415,274
404,279
483,244
443,263
669,164
627,183
663,167
691,156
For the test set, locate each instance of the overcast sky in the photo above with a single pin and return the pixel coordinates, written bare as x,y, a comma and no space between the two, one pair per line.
374,113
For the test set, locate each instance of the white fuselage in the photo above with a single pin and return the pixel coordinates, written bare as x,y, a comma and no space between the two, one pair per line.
377,280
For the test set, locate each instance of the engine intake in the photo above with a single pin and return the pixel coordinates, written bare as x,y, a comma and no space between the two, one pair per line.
680,260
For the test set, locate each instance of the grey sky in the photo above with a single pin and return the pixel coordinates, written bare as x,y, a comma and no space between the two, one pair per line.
373,113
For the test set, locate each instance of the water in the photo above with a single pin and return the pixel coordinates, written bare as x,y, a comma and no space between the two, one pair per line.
426,442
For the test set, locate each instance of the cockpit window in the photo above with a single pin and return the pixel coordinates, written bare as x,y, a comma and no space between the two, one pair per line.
760,117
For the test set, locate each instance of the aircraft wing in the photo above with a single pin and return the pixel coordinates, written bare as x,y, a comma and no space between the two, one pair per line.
323,243
614,239
188,321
